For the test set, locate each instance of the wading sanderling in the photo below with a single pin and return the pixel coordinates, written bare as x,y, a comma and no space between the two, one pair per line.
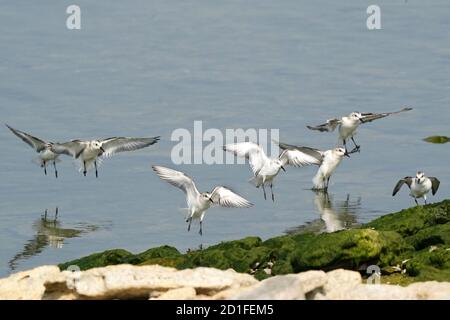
327,161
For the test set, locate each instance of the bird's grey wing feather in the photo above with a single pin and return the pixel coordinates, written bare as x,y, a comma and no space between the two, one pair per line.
227,198
400,183
434,185
121,144
368,117
329,126
300,155
179,180
36,143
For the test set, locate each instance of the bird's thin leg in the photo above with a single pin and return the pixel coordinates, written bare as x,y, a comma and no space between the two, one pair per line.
201,232
328,181
264,190
45,167
345,145
271,189
189,225
56,170
415,199
357,148
96,172
56,214
84,168
45,215
425,198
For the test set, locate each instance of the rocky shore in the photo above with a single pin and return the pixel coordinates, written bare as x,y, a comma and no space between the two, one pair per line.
410,248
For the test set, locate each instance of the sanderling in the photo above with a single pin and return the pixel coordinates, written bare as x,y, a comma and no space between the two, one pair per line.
42,147
87,152
199,203
419,186
264,168
349,124
327,161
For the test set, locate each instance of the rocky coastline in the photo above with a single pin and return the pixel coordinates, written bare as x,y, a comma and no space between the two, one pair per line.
403,255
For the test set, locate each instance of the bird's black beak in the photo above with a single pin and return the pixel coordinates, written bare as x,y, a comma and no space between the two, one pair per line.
283,168
103,150
361,120
347,154
211,200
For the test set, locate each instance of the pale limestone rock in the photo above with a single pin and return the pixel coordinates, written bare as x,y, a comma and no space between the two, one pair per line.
432,290
340,281
312,280
127,281
29,285
286,287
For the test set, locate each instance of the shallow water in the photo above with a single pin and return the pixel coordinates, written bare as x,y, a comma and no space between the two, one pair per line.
145,68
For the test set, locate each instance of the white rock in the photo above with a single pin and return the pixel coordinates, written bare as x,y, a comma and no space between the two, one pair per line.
127,281
312,280
29,285
286,287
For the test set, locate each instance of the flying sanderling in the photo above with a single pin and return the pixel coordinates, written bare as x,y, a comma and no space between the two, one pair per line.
42,147
199,203
419,186
349,124
87,152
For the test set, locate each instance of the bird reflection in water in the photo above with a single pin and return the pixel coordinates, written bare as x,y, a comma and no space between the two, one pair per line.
334,215
48,232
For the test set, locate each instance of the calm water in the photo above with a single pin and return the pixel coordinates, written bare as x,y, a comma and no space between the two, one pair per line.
144,68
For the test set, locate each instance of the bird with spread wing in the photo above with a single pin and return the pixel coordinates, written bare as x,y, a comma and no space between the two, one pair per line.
348,125
200,202
87,152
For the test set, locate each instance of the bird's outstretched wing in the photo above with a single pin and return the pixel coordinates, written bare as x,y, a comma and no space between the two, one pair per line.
434,185
252,151
368,117
329,126
300,156
36,143
72,148
179,180
121,144
227,198
400,183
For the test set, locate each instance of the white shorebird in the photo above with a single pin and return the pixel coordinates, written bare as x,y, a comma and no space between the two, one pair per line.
199,203
327,161
42,147
265,169
349,124
419,186
87,152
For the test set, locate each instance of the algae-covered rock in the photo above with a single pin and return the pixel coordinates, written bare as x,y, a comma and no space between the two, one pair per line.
347,249
410,221
437,139
102,259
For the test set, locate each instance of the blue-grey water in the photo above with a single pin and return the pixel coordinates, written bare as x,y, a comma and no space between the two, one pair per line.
145,68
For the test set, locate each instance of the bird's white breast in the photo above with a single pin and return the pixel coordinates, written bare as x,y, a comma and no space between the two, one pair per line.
420,189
